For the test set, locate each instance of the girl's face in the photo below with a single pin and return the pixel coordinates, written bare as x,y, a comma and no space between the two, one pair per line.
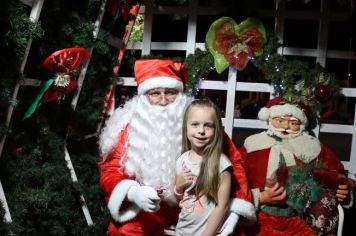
200,127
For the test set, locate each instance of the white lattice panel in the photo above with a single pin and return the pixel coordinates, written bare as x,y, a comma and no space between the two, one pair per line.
321,53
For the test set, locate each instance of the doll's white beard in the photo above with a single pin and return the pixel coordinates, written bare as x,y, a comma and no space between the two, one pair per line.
279,132
154,142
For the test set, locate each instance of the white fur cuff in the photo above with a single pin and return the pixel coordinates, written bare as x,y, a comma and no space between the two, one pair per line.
116,199
351,202
243,208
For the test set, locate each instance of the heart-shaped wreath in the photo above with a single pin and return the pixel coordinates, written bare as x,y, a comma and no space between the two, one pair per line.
235,44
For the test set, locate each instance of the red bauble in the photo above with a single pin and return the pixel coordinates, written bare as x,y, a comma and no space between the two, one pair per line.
322,92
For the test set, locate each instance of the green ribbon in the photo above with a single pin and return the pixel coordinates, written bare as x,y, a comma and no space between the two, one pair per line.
36,103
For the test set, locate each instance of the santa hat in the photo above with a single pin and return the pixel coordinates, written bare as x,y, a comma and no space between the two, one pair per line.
278,106
157,73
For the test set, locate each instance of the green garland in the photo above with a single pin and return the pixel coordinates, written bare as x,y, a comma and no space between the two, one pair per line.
294,80
197,64
137,30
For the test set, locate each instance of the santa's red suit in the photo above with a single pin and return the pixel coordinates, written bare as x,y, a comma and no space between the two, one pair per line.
140,144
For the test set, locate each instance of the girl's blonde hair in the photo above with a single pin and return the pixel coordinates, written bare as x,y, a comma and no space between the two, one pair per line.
207,182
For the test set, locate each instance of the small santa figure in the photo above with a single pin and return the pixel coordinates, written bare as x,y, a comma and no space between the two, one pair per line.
270,155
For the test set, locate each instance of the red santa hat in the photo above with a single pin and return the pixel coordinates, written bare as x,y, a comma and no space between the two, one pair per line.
278,106
157,73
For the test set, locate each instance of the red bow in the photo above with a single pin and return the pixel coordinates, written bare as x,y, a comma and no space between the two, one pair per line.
63,63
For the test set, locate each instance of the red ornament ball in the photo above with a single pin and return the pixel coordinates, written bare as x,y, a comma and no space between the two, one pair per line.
322,92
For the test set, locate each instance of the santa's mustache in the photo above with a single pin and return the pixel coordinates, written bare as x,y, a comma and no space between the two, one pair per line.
289,131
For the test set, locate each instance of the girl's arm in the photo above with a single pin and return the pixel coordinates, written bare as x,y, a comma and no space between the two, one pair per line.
218,215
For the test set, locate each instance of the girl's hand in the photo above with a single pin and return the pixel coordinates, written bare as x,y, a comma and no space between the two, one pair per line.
273,196
184,179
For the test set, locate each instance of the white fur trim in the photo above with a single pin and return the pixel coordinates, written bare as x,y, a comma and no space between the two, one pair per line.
274,158
243,208
116,199
305,147
159,82
264,114
282,110
258,142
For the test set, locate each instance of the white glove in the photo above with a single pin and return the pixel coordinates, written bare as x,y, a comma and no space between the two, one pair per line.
229,224
144,197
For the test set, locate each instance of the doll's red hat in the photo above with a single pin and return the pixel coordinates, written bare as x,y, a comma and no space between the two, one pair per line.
158,73
278,106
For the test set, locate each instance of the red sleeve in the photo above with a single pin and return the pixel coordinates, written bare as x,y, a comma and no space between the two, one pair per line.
239,182
331,160
110,169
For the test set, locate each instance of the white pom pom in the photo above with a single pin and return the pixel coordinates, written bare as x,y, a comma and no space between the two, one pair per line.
264,113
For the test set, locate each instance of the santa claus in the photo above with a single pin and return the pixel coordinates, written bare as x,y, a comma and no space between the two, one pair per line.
139,146
267,155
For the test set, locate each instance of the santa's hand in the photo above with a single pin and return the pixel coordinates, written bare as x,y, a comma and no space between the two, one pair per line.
144,197
229,225
273,196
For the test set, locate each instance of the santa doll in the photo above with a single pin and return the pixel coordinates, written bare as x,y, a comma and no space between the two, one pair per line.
139,147
280,164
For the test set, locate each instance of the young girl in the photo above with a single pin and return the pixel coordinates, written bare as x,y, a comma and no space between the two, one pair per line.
203,179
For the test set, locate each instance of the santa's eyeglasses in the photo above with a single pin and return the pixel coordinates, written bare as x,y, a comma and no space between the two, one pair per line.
157,94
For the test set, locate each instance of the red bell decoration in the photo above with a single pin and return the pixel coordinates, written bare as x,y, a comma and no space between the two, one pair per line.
322,92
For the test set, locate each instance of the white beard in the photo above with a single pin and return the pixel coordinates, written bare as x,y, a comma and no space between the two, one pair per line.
279,132
154,143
